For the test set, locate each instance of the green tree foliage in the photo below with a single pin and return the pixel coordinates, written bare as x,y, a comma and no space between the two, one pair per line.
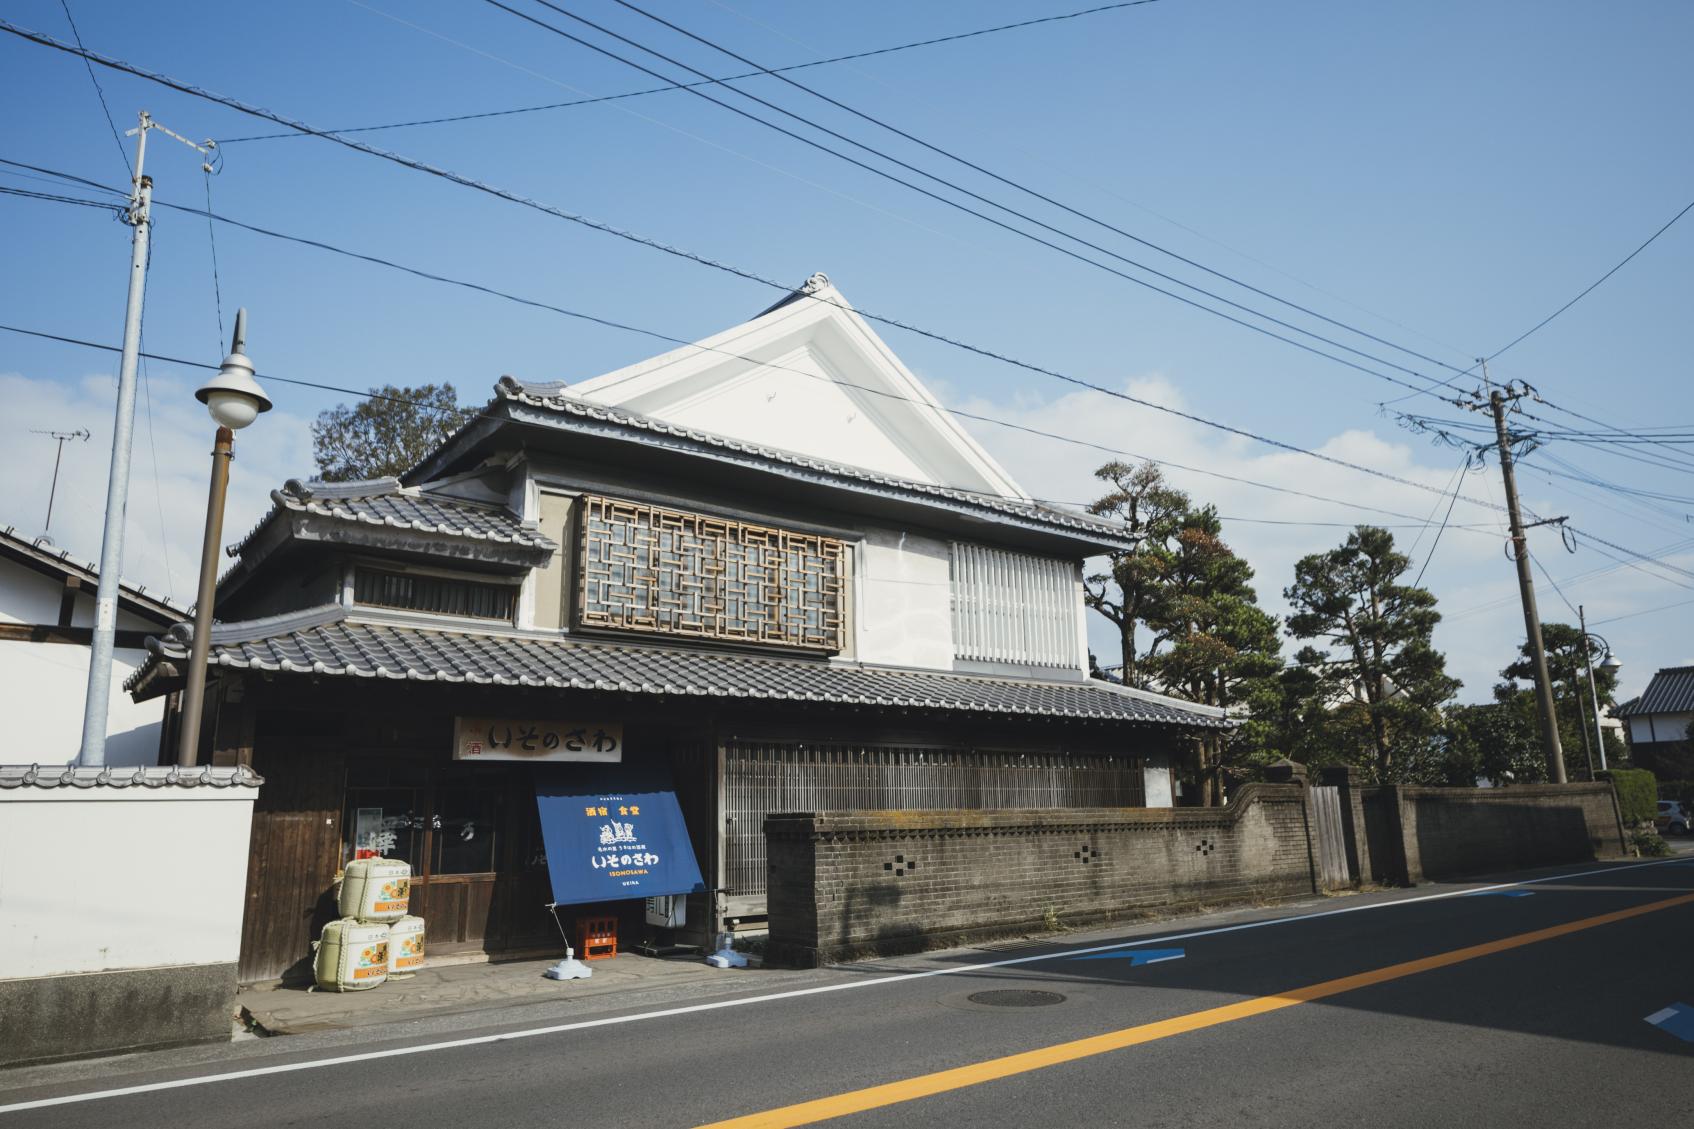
1188,619
1130,591
1568,670
1377,675
387,434
1493,741
1211,642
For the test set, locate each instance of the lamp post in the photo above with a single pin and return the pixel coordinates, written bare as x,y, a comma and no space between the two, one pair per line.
1610,663
234,400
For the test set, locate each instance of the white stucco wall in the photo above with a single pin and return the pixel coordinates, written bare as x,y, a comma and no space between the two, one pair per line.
46,683
103,878
903,601
1156,779
1660,727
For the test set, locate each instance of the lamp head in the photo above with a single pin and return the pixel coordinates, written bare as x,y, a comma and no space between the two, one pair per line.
1611,662
233,397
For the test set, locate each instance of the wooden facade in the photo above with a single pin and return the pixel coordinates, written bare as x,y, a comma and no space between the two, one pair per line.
327,746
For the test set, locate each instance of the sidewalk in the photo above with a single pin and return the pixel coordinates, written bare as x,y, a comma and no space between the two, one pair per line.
458,988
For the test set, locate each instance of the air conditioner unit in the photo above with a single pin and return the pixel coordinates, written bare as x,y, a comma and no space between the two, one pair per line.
669,911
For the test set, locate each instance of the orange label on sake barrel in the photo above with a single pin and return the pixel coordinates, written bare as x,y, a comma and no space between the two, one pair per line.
373,961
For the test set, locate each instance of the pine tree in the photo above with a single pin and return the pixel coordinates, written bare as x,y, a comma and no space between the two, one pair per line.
1381,678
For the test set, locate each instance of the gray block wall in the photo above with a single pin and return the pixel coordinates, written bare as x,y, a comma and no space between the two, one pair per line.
846,885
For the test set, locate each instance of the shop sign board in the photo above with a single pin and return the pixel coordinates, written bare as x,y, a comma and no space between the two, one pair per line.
525,739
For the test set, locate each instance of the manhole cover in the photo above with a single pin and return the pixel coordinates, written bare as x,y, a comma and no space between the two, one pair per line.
1016,997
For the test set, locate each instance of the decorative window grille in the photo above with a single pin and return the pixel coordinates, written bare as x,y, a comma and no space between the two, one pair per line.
441,595
1012,608
647,568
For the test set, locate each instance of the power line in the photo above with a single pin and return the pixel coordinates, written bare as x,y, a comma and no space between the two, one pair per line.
1590,288
707,82
740,272
1643,611
672,339
98,93
186,88
1444,520
1066,251
952,156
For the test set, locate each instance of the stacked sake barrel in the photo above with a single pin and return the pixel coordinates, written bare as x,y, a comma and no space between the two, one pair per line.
374,940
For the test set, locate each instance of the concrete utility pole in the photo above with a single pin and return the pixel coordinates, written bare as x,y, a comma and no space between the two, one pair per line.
1497,401
139,216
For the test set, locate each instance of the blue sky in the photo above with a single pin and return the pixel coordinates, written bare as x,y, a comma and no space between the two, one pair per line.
1443,175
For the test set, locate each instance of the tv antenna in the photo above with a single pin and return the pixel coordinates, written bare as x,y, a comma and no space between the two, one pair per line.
62,436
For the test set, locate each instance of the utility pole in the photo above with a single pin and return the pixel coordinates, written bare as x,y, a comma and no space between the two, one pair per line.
62,437
139,217
1497,401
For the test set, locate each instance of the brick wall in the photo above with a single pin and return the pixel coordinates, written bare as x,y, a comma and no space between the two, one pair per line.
853,884
1417,833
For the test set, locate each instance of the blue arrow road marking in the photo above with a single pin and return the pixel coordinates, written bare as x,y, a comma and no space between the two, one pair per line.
1138,957
1503,894
1677,1019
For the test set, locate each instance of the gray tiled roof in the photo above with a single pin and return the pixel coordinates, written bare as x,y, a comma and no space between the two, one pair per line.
60,776
384,502
325,642
1671,691
553,397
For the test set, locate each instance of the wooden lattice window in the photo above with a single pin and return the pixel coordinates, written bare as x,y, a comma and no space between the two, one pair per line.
647,568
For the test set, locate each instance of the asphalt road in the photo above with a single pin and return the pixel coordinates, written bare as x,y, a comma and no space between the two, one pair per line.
1519,1006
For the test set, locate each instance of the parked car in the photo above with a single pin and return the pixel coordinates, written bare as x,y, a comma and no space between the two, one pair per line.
1673,818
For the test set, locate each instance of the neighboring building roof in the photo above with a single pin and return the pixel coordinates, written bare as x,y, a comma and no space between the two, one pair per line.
384,502
59,776
325,641
42,555
1670,691
564,410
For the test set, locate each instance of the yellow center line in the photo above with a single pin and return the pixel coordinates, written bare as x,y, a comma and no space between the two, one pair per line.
927,1085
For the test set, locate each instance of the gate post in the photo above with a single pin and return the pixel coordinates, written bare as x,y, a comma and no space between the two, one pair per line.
1347,781
1287,771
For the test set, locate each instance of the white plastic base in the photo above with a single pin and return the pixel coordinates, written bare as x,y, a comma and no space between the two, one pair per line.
727,957
569,969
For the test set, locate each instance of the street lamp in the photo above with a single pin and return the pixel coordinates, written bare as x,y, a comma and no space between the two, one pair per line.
234,400
1611,663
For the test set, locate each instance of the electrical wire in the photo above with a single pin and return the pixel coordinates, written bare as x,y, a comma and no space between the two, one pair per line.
212,241
1445,519
187,88
123,154
1043,197
730,78
1591,287
669,338
1003,225
740,272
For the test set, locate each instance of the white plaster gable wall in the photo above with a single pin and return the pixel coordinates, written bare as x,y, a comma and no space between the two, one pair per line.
903,596
851,400
46,683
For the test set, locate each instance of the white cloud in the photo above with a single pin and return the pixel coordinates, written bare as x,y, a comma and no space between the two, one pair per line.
167,501
1470,574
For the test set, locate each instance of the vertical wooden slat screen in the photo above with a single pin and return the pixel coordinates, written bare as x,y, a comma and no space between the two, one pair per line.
1012,608
763,778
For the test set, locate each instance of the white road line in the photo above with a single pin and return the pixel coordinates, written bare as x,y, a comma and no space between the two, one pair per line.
771,997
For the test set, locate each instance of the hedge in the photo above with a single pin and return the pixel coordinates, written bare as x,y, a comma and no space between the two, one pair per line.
1638,793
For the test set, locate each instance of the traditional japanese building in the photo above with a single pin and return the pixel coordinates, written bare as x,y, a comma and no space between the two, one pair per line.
766,572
